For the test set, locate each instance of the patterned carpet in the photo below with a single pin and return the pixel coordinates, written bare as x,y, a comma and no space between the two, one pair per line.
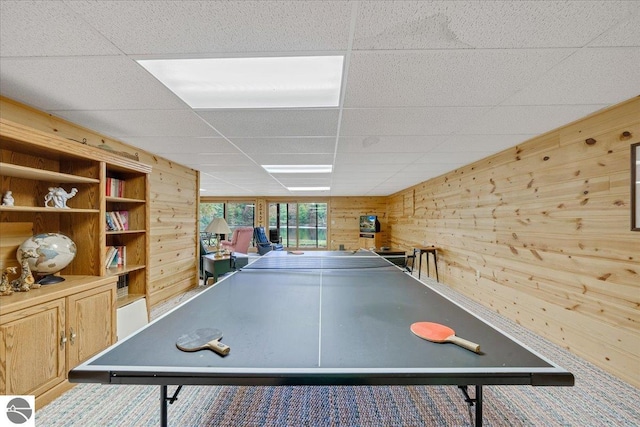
597,399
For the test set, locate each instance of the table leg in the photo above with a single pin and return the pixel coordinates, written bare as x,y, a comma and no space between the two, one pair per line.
419,263
163,405
164,399
471,401
435,261
478,406
428,269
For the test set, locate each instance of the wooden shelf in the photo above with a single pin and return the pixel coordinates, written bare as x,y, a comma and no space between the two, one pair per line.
123,200
128,299
17,171
118,271
45,209
116,232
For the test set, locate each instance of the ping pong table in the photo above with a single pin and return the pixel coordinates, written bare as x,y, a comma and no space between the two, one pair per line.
320,318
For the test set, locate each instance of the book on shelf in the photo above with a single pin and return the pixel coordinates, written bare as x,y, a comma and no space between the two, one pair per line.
111,226
123,281
117,220
116,256
123,218
115,187
111,253
122,286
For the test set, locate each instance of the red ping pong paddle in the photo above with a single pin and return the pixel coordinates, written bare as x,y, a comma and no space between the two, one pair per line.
201,339
436,332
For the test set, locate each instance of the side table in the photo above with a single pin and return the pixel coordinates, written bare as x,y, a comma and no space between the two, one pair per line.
214,267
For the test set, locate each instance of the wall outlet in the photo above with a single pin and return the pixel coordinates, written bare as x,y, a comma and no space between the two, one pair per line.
477,274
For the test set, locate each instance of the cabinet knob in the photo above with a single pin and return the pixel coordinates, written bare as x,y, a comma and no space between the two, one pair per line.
72,337
63,340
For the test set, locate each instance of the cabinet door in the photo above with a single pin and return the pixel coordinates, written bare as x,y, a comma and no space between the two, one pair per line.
91,320
33,357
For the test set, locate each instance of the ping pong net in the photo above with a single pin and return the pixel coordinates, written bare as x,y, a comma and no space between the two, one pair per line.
308,261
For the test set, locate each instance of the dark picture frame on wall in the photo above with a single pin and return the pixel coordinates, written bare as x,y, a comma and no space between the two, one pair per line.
635,186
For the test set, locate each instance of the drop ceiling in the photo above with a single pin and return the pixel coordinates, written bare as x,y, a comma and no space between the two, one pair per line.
427,86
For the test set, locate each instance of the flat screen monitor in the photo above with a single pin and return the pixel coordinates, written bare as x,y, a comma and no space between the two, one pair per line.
369,224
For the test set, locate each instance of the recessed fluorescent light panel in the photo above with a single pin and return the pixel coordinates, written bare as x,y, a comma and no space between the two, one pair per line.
298,168
308,188
270,82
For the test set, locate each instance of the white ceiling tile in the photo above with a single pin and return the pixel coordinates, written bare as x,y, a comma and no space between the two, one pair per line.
304,182
480,143
624,33
125,123
407,121
188,27
388,144
270,123
587,77
294,159
166,145
285,145
76,83
527,119
229,161
474,24
48,28
398,157
445,77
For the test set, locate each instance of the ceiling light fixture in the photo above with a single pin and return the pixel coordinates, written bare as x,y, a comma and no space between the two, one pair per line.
298,168
267,82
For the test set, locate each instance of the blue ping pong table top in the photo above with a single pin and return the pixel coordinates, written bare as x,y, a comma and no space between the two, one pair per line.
305,326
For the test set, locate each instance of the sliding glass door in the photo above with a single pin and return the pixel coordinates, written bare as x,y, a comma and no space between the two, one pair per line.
299,225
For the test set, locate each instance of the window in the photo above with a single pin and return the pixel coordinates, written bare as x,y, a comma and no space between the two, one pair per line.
237,214
299,225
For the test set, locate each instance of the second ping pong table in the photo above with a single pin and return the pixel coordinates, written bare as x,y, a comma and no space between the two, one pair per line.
320,318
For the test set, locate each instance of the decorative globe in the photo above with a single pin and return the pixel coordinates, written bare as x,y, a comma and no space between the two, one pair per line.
54,251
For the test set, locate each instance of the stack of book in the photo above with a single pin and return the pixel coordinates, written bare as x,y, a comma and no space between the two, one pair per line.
116,256
117,221
122,287
115,187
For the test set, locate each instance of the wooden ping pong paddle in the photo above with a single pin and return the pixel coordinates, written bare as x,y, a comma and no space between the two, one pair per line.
436,332
296,252
201,339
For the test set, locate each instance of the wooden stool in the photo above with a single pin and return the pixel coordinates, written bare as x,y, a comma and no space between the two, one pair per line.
428,250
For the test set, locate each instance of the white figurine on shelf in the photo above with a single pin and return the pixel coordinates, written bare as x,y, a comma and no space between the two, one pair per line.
58,196
7,200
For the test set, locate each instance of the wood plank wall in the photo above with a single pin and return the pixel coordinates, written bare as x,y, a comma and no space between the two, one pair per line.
173,204
344,219
541,234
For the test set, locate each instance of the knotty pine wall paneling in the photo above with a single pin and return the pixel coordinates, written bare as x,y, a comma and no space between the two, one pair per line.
172,208
344,220
174,234
541,234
